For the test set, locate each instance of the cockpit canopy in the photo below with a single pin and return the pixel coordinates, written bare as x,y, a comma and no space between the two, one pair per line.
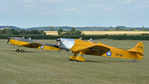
65,43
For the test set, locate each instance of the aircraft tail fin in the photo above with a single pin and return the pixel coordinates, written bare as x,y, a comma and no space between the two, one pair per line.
138,49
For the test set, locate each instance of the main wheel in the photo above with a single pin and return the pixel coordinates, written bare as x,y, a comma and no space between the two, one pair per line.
22,51
17,50
71,60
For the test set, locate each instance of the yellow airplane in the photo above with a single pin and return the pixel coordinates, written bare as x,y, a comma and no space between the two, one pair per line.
21,42
78,46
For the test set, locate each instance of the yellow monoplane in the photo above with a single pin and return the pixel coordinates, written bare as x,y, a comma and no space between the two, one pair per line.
21,42
78,46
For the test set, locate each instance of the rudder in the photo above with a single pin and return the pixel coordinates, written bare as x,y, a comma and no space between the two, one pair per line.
139,49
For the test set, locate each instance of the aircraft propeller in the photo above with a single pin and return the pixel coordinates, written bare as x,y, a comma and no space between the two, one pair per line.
8,40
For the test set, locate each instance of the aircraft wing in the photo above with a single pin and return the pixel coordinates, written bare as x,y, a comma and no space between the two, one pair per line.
42,46
95,50
31,44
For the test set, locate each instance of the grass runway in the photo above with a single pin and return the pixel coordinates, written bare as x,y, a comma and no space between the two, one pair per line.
51,67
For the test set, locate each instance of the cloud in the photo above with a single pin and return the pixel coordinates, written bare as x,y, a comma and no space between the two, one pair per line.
73,10
105,8
56,1
2,9
127,2
28,1
48,12
51,12
95,0
145,6
41,2
109,8
97,6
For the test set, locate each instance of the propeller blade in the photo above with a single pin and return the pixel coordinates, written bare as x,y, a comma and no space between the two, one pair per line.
8,40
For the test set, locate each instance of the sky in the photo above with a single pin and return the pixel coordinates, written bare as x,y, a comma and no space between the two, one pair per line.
77,13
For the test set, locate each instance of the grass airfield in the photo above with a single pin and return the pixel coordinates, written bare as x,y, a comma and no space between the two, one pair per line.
51,67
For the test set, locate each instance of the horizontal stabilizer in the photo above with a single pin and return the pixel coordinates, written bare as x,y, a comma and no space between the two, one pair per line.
137,49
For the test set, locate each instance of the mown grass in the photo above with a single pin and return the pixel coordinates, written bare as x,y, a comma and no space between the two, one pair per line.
51,67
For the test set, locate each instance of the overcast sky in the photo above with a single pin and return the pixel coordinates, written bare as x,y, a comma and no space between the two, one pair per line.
33,13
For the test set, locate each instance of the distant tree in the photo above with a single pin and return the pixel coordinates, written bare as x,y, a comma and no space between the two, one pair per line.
7,31
60,30
121,28
143,28
73,30
15,32
132,29
118,28
52,29
78,32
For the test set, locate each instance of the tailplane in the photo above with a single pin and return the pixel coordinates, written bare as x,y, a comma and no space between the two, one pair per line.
138,49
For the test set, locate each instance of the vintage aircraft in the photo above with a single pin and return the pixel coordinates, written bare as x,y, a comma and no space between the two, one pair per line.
21,42
78,46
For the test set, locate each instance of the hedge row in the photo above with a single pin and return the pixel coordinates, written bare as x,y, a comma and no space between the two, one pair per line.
115,37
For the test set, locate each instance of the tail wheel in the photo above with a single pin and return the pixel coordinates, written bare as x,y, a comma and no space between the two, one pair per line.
22,51
17,50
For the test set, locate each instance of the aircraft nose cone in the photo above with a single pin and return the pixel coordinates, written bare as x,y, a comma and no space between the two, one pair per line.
58,42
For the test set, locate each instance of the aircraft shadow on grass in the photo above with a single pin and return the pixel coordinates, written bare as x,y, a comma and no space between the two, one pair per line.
25,51
111,61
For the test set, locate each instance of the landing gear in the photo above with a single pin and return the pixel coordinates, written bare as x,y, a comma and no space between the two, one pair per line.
73,57
71,60
17,50
20,50
80,59
76,58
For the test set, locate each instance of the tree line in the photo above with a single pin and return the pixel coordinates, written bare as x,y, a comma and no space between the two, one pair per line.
86,37
8,31
73,31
